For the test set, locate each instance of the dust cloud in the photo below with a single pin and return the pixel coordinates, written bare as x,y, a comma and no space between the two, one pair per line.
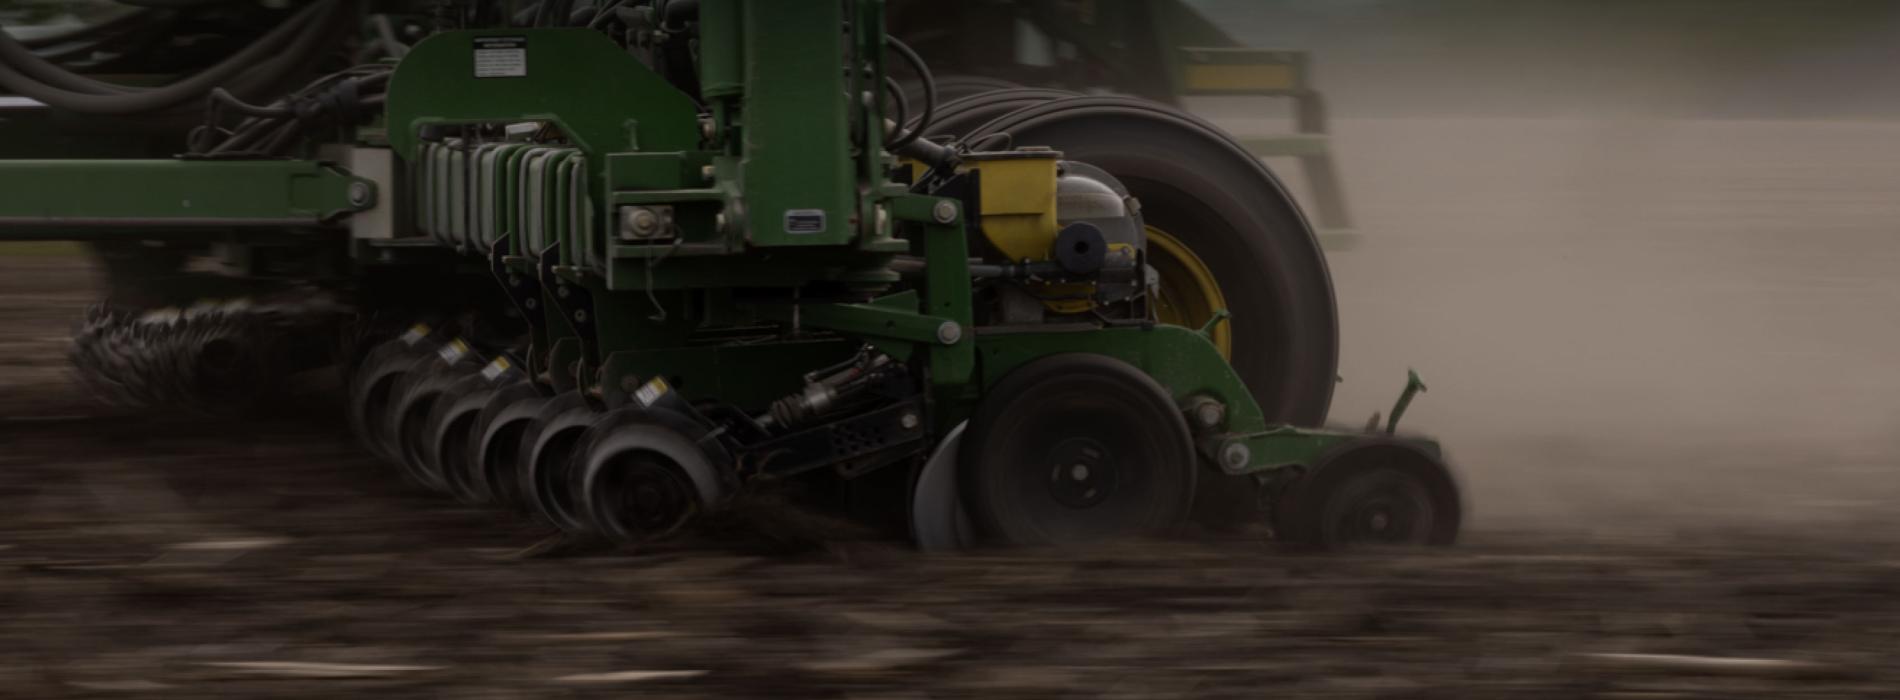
1637,306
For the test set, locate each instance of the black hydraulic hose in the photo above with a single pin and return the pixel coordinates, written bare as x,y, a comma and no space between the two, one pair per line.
553,13
224,98
902,105
604,13
930,93
676,12
88,31
54,79
64,52
526,16
175,4
244,59
19,68
386,33
292,114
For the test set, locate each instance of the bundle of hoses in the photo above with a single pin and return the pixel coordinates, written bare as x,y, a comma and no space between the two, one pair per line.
342,99
210,357
266,62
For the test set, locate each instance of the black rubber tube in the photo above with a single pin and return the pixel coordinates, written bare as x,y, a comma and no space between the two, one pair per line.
106,26
29,75
33,67
929,113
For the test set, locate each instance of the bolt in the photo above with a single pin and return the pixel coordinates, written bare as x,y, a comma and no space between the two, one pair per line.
719,221
706,173
883,219
531,303
1210,413
360,194
707,128
945,211
909,421
949,333
580,315
561,291
639,222
1235,455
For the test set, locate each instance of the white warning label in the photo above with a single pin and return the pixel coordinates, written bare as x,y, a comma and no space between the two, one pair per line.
494,369
501,57
651,392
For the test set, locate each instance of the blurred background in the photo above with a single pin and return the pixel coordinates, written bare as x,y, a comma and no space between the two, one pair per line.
1643,253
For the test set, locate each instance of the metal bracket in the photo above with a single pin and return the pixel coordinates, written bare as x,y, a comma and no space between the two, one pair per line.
855,445
575,304
525,292
1413,386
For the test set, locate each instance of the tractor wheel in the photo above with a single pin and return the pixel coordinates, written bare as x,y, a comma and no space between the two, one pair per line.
1077,447
495,442
1226,223
547,444
1368,494
641,475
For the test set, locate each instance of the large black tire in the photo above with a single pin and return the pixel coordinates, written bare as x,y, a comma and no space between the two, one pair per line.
1201,187
1077,447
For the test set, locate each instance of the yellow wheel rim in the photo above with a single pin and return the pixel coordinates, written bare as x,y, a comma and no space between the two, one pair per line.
1186,293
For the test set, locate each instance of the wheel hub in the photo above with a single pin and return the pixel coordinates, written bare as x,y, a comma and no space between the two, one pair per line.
1385,518
1082,472
654,497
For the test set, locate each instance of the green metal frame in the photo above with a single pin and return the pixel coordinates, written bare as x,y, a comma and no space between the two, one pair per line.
82,199
624,310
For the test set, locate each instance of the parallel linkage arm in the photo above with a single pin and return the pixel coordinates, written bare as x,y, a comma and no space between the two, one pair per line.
90,199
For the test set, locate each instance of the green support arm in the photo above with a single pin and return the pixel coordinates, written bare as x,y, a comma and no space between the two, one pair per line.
86,199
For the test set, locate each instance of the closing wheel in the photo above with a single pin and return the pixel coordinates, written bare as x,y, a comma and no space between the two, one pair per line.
1076,447
425,385
1372,493
374,388
451,428
547,444
641,476
495,444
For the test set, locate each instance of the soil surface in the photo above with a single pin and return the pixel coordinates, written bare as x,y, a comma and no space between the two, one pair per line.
156,556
